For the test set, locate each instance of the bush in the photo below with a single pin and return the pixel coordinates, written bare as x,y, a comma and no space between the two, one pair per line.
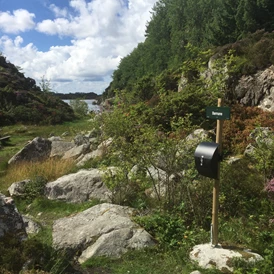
32,255
241,189
243,120
80,107
35,188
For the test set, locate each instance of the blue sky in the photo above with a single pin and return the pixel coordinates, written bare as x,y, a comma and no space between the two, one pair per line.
76,44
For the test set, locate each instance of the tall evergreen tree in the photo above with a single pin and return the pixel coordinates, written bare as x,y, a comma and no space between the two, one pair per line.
223,27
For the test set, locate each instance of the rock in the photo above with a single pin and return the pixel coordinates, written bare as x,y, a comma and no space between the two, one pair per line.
11,222
233,159
18,188
103,230
79,187
81,140
99,152
257,89
249,150
37,150
159,176
208,256
31,226
262,136
198,135
55,138
59,148
93,133
92,155
65,134
76,151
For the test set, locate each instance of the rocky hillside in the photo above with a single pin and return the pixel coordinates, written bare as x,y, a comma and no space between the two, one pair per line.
21,100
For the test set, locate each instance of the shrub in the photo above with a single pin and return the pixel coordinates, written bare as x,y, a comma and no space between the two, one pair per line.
241,188
35,188
31,254
80,107
243,120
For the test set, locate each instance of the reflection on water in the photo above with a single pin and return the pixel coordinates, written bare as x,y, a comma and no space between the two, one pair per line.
91,106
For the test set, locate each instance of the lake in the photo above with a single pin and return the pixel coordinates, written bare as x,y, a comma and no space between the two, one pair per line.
91,106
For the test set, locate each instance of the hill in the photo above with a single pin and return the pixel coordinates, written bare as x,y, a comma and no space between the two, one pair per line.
21,100
78,95
176,24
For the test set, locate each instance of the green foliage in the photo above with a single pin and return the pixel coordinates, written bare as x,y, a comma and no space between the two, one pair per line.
51,209
45,84
255,51
22,101
203,23
166,229
80,107
241,189
125,190
170,230
33,108
263,154
135,143
35,188
40,256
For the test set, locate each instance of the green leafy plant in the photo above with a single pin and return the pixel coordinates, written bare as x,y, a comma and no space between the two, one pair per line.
80,107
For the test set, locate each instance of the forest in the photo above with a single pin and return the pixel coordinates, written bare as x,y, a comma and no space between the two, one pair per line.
174,24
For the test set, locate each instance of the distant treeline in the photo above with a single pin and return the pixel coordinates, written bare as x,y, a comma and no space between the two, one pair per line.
78,95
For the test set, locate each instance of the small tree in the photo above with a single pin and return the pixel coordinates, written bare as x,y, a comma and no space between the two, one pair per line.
45,84
80,107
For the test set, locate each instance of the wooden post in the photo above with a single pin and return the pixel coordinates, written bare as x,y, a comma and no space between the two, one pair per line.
216,188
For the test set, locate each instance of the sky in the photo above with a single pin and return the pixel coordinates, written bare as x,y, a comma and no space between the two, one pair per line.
75,44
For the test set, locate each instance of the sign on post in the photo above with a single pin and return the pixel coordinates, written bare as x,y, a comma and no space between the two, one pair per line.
218,113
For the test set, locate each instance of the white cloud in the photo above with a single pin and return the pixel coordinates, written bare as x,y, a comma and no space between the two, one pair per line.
93,18
21,20
101,32
58,12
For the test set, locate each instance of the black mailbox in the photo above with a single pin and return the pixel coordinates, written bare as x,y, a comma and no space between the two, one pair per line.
207,158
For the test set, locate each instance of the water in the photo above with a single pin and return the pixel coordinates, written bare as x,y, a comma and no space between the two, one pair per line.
91,106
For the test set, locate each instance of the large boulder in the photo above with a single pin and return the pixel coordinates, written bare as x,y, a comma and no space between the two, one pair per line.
257,89
38,149
11,222
102,230
78,187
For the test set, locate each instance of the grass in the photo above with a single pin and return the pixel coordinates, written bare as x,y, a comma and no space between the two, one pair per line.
46,211
20,135
142,261
147,261
49,170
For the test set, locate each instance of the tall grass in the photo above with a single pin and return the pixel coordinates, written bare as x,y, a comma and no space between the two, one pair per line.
49,170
